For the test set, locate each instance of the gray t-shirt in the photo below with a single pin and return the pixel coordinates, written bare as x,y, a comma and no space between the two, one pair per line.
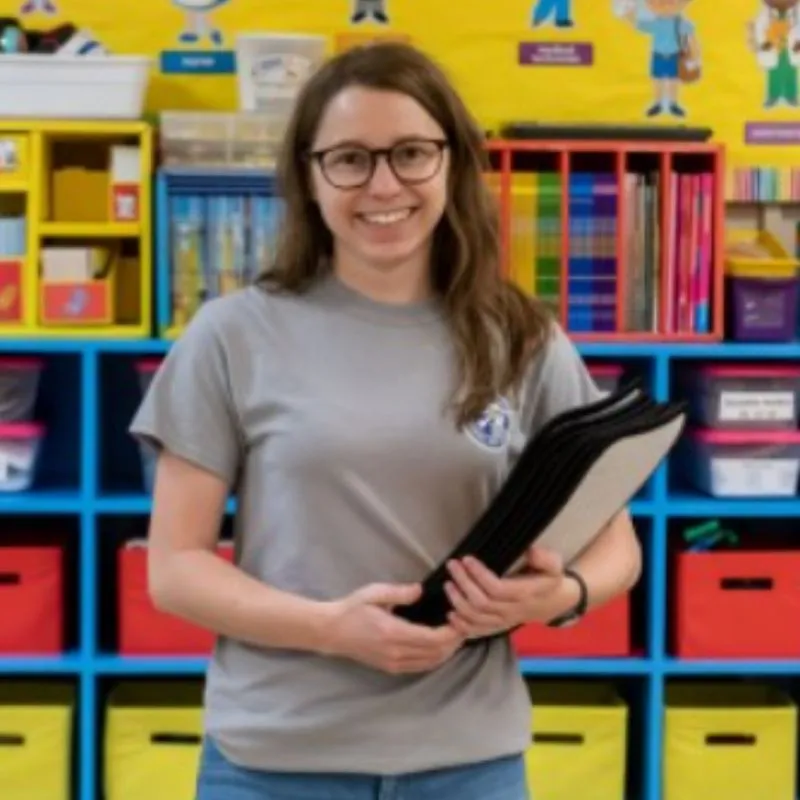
325,413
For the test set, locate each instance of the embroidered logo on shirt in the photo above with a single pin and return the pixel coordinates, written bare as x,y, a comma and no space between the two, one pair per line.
493,428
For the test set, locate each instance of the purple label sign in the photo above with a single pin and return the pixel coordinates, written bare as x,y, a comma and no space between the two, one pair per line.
772,133
556,54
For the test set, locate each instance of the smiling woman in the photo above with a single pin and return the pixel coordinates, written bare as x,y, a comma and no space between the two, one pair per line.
366,401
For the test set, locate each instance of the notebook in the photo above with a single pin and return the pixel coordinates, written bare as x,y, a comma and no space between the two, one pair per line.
572,478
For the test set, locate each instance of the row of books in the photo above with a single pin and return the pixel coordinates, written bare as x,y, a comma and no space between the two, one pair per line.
218,243
653,275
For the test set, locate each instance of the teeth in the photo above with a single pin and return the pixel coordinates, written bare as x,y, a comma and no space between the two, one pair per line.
387,217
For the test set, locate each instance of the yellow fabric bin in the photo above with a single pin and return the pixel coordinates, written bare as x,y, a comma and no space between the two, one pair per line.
734,740
579,740
36,724
153,738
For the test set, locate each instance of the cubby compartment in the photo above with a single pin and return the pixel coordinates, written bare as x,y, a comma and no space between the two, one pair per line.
215,234
38,724
743,439
90,281
14,288
129,624
617,629
730,738
126,467
592,249
40,422
151,738
586,732
93,178
39,586
733,589
535,223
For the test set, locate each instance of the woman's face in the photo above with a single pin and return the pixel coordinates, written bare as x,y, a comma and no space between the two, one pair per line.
383,218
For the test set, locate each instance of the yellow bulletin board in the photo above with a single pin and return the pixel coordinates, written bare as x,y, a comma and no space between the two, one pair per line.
553,60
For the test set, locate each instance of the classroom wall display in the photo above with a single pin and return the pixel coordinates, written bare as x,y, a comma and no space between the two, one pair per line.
731,66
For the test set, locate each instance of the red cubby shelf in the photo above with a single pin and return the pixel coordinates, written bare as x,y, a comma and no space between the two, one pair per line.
672,158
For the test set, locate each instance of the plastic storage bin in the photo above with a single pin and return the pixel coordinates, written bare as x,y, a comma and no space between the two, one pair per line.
36,747
761,288
740,603
603,632
51,87
221,139
153,740
736,741
143,629
579,740
734,396
606,376
743,463
19,387
20,443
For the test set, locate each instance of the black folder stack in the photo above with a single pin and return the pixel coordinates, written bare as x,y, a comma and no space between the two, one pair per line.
572,478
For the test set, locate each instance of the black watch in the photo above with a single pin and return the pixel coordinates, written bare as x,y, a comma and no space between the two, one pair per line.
573,615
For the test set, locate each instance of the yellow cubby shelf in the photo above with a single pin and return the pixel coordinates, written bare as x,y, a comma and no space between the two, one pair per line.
86,191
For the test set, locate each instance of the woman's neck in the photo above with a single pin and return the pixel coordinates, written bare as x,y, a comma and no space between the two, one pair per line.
399,284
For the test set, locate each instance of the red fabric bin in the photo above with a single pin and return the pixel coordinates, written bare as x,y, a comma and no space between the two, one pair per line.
603,632
737,604
32,600
143,629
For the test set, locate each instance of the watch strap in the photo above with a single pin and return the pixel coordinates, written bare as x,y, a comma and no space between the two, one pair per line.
578,611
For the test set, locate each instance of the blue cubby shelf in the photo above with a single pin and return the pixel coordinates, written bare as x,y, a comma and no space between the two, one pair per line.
81,493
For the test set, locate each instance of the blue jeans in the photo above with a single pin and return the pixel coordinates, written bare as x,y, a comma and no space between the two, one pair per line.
500,779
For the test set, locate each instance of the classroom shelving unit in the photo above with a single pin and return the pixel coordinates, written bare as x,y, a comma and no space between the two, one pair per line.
82,192
569,214
90,495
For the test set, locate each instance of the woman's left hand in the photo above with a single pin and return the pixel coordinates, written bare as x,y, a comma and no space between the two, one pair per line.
485,604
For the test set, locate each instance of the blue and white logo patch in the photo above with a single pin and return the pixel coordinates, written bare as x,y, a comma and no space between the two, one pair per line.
493,428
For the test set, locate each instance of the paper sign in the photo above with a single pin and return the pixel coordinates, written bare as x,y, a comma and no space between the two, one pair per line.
757,406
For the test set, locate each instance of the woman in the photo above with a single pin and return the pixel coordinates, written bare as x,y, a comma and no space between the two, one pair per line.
365,401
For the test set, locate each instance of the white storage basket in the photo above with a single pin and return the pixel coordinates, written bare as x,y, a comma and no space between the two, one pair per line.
81,87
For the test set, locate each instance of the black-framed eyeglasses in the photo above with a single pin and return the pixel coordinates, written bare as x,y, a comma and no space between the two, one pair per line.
351,166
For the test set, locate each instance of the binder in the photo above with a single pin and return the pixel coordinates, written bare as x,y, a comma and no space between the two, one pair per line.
571,479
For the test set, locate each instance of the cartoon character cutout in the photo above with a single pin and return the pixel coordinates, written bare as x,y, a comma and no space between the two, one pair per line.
374,10
557,11
38,7
774,36
673,38
198,25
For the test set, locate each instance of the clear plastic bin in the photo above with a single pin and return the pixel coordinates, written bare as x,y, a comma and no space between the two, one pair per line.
19,450
222,140
606,376
736,396
743,463
19,387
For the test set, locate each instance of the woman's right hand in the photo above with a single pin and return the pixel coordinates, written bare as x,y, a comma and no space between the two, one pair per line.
363,628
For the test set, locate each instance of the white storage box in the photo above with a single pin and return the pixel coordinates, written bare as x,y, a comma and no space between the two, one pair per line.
84,87
272,67
743,463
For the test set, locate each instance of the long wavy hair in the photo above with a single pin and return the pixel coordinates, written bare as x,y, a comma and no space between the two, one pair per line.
496,327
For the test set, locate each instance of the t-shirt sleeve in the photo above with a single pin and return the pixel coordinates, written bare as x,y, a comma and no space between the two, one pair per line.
558,381
189,408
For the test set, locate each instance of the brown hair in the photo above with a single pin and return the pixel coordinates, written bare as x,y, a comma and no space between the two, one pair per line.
482,308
